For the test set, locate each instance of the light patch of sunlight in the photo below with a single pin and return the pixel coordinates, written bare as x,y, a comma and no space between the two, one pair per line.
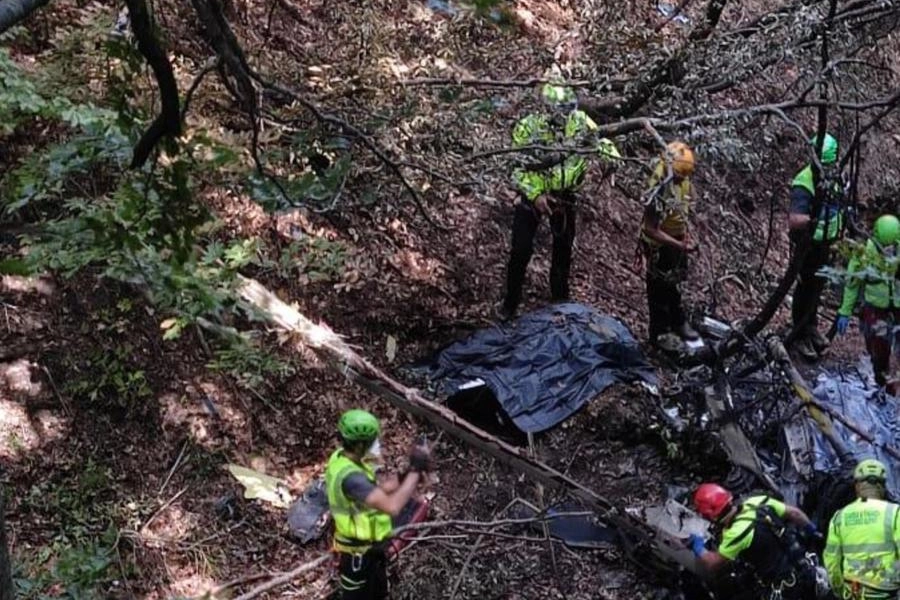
318,336
20,435
24,285
173,524
189,585
21,378
417,266
420,12
392,66
205,409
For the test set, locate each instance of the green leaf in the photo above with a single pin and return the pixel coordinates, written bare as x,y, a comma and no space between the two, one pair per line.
14,266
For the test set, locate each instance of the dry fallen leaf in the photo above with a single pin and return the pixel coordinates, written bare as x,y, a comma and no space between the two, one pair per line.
391,349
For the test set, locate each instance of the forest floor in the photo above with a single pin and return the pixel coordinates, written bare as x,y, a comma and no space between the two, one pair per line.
137,447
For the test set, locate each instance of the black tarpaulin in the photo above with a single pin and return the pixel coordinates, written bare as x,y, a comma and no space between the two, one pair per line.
545,365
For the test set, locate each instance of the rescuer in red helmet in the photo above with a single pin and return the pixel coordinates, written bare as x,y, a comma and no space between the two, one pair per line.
757,531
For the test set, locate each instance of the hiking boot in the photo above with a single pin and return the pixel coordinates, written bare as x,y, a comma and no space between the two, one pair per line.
668,342
688,333
818,341
804,347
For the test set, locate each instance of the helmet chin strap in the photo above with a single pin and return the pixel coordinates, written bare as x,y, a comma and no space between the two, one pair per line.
726,516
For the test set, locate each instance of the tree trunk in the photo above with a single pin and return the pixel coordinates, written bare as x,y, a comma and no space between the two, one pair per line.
6,585
168,122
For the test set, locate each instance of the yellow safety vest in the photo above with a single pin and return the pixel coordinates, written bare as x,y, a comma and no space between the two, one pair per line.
832,216
875,272
356,526
568,174
861,555
673,204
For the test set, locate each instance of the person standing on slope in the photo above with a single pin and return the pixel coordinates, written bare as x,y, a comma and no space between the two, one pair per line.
547,185
874,269
665,244
826,228
362,508
861,554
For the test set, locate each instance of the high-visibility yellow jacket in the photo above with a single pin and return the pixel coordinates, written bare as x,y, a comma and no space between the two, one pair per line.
861,555
875,271
356,526
831,217
535,129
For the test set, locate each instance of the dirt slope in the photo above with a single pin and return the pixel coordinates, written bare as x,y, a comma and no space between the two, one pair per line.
153,467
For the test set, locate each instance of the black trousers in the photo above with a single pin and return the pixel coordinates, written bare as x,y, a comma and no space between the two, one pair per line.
363,577
809,288
525,224
666,270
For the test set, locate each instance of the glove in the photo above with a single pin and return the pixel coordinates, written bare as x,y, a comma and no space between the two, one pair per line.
841,324
419,459
697,544
812,533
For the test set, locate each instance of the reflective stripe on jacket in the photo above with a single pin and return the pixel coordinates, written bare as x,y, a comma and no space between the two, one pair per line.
568,174
876,272
831,215
861,553
356,526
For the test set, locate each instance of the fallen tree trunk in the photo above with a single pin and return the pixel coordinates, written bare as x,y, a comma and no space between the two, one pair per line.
801,390
330,347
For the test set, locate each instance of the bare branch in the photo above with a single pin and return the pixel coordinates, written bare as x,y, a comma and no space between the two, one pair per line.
211,64
168,122
225,43
627,126
284,578
457,524
324,117
500,83
891,105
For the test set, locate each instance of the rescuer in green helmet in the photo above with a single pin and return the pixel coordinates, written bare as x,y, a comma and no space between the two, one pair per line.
864,540
547,183
874,269
826,227
362,508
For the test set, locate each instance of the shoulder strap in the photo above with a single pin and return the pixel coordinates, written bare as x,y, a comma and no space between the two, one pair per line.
757,518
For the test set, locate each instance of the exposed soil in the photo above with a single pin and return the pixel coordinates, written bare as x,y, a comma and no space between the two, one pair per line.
150,461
